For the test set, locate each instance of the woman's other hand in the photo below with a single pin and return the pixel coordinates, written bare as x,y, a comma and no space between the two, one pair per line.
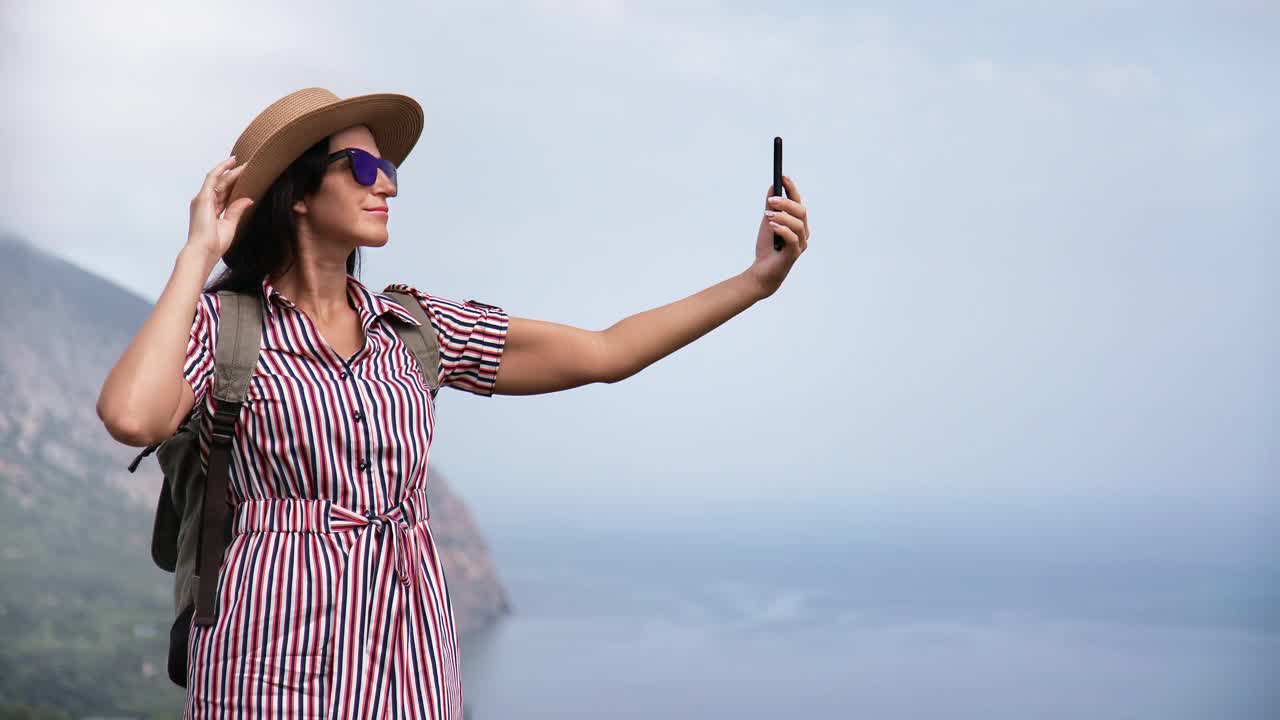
213,224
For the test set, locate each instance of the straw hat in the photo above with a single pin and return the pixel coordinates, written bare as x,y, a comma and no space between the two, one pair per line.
295,122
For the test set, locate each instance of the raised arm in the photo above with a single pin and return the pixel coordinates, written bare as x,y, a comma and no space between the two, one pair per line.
146,395
636,342
543,357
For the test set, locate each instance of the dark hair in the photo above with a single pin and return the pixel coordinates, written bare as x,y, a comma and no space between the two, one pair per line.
266,241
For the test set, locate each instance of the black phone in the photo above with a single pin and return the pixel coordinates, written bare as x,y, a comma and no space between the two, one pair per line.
778,190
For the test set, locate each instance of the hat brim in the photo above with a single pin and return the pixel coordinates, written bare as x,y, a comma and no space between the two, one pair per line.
395,121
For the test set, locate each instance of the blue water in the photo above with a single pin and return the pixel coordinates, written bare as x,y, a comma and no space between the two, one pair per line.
618,625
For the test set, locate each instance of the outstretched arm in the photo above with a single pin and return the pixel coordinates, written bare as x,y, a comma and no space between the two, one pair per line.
636,342
543,357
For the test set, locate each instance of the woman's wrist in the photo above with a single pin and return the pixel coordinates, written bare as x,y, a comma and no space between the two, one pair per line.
197,257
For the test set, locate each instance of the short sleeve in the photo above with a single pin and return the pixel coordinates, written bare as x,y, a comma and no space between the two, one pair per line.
197,369
471,336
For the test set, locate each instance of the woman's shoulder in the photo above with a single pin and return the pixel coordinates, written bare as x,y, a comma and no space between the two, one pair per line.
430,302
434,302
406,288
424,299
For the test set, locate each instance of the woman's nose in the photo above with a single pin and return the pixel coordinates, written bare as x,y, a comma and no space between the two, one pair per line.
385,185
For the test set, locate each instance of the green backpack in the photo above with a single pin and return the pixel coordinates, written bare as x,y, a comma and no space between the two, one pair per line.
192,526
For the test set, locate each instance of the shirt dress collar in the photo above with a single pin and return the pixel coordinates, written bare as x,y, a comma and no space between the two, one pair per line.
369,304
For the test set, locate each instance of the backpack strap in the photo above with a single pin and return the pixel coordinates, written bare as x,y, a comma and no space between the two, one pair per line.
236,356
421,340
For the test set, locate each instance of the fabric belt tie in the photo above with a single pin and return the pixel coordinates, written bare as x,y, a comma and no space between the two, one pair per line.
325,516
401,549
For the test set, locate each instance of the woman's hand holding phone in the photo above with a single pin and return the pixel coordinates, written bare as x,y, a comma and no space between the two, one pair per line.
786,218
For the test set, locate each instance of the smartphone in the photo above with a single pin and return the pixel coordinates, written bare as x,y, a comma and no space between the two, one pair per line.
778,190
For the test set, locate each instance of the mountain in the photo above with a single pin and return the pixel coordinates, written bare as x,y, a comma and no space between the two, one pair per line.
84,612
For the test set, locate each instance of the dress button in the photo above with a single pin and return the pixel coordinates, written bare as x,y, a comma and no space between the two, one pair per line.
364,464
357,416
342,375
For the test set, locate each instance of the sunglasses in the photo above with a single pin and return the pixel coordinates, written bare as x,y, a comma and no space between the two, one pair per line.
365,166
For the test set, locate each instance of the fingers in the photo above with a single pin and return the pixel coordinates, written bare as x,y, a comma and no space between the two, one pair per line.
788,235
219,180
222,186
212,177
794,205
790,212
792,191
787,220
236,209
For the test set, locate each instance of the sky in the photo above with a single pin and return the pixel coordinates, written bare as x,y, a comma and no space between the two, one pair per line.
1042,272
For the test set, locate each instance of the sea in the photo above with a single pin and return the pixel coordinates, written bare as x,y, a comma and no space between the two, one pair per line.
1051,617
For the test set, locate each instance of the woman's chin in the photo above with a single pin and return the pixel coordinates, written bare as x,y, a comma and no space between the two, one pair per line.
375,238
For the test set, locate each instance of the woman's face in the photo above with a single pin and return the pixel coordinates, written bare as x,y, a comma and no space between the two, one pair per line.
343,209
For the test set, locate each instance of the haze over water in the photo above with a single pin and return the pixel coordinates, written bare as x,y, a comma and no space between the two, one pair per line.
940,624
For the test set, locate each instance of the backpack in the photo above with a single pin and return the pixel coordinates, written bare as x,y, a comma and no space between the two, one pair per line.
192,526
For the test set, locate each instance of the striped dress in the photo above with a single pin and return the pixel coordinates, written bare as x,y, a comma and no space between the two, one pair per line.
332,600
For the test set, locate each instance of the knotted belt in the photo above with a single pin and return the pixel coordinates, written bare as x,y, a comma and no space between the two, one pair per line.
326,516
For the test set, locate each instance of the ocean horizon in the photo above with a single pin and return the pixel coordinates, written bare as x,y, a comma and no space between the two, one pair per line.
709,624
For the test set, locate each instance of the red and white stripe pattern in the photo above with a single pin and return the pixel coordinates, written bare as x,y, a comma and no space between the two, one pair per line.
332,599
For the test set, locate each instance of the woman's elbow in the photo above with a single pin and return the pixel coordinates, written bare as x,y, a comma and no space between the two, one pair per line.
127,427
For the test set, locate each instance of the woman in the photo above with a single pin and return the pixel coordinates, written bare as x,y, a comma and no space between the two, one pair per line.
332,600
